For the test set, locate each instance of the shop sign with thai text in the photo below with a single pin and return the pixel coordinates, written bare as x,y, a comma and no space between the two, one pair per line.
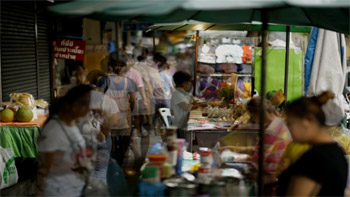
69,49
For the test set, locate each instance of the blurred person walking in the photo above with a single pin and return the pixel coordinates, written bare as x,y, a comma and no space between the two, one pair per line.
64,158
96,126
167,78
122,90
323,169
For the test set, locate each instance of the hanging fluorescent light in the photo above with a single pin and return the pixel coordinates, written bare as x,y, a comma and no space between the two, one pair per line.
205,47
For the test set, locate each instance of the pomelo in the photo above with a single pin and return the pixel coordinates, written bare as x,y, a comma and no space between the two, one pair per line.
7,115
24,114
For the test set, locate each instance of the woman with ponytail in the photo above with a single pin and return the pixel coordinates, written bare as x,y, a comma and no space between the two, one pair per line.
322,170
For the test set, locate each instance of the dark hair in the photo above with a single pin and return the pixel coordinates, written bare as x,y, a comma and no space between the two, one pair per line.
253,106
312,106
94,76
164,66
140,58
181,77
72,96
118,63
158,57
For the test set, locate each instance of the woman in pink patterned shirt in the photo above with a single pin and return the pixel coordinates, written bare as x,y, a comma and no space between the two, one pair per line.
277,137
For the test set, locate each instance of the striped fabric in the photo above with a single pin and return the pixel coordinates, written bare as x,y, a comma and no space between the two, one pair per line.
277,138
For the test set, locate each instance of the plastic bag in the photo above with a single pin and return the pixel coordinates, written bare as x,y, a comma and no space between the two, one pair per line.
25,99
116,179
8,170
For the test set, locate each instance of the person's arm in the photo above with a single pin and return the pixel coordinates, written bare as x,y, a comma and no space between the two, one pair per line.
110,120
132,100
303,186
43,171
185,106
239,149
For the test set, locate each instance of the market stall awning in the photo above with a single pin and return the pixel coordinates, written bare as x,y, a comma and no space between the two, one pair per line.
235,27
328,14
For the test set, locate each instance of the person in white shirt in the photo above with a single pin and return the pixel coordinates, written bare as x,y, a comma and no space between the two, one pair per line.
181,101
64,157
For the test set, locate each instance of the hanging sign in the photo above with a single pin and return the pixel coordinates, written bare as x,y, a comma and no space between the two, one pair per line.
69,49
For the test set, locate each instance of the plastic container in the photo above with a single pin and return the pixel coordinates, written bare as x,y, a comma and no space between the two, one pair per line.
160,161
204,173
151,189
181,147
206,156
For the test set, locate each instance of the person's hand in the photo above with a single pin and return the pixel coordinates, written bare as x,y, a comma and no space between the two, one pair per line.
100,137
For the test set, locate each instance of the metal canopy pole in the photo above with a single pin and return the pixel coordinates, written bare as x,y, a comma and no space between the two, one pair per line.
154,42
264,16
286,69
195,64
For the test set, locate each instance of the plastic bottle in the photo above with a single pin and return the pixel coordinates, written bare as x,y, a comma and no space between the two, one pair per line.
158,158
181,148
204,171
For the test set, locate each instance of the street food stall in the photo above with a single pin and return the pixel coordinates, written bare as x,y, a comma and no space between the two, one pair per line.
21,121
280,12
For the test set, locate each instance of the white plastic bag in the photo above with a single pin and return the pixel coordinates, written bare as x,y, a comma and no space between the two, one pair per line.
8,170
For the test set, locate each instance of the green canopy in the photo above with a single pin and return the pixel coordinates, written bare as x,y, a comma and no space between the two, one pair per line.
332,15
195,25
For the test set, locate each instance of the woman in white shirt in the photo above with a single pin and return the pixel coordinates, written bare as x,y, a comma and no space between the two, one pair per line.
64,158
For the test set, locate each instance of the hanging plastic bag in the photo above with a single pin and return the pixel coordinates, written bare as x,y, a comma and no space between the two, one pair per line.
116,179
8,170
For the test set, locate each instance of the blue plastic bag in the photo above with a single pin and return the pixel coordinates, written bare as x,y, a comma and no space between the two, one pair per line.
309,57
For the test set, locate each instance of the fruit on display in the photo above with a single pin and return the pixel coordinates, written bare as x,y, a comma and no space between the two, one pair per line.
24,114
7,115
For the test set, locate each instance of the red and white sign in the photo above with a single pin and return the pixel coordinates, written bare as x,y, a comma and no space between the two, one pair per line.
69,49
